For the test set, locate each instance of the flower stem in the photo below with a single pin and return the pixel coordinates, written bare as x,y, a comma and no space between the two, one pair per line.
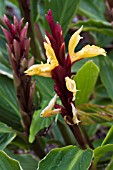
37,148
78,135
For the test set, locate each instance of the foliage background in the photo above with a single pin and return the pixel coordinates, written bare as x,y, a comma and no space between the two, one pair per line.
94,78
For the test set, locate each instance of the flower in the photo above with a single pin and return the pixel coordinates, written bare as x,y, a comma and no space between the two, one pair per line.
48,110
52,62
85,52
58,67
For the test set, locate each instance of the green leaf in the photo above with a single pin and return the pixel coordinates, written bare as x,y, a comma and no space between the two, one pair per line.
110,165
45,86
2,8
99,26
7,134
95,114
9,111
34,9
5,71
6,139
101,92
27,161
85,80
63,11
39,123
106,74
69,158
101,151
4,60
109,137
92,9
5,129
6,163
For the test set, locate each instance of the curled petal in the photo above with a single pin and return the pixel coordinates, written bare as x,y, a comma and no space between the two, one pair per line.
88,51
40,69
48,110
71,86
74,40
74,111
50,54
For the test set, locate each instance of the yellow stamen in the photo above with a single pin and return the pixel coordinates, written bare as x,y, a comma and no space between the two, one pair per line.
71,86
48,110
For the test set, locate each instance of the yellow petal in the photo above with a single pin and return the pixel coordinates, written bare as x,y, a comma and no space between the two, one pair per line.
50,54
88,51
71,86
40,69
74,111
74,40
48,109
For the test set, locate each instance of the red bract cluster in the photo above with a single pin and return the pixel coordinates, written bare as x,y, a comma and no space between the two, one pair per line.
18,44
18,48
63,70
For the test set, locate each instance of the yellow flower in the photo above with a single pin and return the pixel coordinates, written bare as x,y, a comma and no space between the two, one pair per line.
86,52
48,109
71,86
52,62
44,69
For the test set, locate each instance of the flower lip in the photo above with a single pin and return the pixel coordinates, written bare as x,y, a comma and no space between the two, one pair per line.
85,52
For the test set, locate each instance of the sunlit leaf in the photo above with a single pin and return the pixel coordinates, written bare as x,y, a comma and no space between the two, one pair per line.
39,123
101,151
7,163
69,158
27,161
85,80
7,134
